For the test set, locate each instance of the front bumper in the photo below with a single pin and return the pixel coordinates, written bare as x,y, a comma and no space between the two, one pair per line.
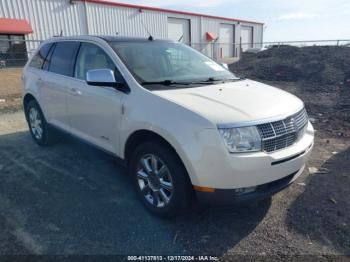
241,177
225,197
214,167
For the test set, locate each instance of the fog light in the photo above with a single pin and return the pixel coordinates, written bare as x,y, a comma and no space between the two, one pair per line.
245,190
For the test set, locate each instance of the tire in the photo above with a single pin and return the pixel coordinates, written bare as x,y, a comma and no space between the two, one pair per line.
171,179
41,132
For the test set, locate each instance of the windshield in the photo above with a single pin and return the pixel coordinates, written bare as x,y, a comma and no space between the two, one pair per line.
167,63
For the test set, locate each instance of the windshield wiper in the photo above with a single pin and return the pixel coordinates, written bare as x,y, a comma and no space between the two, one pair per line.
223,80
210,80
166,83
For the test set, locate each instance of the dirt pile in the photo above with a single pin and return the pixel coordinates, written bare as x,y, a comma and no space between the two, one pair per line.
320,75
326,65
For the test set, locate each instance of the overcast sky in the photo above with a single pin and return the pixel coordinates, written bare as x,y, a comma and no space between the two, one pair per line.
284,19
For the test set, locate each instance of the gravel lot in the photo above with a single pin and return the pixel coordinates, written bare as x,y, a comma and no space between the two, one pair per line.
72,199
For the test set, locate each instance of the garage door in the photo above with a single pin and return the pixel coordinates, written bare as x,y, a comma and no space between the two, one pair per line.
179,29
226,40
246,37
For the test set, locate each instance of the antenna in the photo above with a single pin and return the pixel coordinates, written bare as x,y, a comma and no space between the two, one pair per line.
60,34
150,38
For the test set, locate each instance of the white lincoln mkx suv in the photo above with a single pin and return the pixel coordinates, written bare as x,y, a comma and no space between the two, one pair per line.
186,127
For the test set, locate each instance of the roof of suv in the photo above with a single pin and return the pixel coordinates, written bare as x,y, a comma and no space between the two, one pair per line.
129,39
110,38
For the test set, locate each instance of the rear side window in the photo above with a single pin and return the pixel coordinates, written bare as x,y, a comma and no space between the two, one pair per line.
63,57
40,56
48,59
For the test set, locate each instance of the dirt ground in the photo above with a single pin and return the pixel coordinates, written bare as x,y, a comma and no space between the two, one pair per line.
72,199
320,75
10,89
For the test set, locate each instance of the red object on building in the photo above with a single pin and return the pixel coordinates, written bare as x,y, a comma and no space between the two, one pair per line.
15,26
210,36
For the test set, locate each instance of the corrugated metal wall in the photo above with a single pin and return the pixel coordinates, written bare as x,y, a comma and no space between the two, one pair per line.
49,17
257,34
213,25
111,20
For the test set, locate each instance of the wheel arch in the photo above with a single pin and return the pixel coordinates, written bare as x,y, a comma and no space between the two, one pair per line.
27,98
143,135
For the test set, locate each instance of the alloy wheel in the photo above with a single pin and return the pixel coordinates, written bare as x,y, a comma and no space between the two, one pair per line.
35,122
154,180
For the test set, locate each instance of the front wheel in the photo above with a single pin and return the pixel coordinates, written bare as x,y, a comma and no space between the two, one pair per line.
161,180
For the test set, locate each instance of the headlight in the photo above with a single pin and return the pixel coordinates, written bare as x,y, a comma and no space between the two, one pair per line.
241,139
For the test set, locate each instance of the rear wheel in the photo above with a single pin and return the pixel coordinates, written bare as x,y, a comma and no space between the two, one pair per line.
160,179
38,127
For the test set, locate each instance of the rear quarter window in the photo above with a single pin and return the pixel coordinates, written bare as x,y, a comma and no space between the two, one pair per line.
39,58
63,58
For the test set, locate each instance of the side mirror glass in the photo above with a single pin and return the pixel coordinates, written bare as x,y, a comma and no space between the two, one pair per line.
102,77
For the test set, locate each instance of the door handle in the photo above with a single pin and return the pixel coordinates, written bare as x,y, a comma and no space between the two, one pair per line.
75,92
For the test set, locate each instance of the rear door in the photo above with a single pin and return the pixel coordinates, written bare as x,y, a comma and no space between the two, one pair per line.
57,82
95,111
34,73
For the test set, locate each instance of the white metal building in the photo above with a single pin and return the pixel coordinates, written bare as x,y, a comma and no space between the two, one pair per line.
217,37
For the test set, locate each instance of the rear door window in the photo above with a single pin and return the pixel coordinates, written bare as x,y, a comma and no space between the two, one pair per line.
63,58
39,58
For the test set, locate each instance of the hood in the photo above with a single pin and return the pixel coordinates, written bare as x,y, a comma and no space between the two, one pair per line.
235,102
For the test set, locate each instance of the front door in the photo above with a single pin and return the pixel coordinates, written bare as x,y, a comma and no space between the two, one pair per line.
94,111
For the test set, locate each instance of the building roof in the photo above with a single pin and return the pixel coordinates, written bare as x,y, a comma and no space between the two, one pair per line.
15,26
105,2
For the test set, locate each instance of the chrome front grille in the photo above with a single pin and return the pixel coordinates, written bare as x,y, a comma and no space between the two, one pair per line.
283,133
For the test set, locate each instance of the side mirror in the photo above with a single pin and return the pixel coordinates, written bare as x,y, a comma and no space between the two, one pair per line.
102,77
